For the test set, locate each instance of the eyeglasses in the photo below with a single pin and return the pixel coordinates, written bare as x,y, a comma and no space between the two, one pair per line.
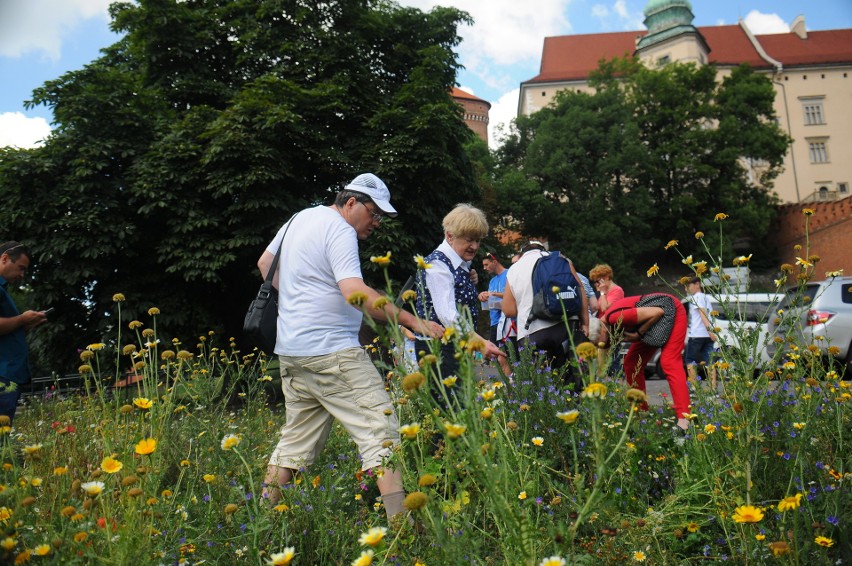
377,216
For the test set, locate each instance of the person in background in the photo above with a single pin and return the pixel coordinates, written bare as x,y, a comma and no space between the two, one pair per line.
494,297
14,325
446,289
652,322
325,374
601,277
700,337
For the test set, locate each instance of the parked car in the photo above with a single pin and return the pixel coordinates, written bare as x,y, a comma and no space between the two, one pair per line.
819,313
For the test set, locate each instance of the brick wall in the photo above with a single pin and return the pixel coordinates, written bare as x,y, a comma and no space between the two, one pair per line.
829,230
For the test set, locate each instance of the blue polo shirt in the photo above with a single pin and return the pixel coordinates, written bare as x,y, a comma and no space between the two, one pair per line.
497,285
14,355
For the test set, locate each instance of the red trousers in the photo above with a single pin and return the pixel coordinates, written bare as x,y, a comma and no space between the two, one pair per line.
639,354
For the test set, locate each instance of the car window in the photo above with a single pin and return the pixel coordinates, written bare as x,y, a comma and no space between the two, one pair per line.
846,293
795,298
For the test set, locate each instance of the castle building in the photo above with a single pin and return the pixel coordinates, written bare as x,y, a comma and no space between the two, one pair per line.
475,112
810,70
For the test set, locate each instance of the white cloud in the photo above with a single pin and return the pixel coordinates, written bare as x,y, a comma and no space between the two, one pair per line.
40,25
617,17
600,11
761,24
620,8
19,131
502,112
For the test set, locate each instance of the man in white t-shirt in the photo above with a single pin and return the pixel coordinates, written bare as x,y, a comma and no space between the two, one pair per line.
700,337
325,374
552,336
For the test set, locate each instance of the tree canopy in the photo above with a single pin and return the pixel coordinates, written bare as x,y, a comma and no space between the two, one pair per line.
181,150
652,155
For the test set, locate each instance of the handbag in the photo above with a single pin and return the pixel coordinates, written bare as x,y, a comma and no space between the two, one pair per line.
260,327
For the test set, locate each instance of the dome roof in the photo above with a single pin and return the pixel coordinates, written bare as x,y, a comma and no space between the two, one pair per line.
657,5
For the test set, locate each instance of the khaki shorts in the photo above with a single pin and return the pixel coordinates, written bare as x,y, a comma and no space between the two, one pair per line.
344,385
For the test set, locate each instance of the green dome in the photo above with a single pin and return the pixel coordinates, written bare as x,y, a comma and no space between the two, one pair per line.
657,5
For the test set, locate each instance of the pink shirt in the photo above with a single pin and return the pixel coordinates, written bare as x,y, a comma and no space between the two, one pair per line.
615,293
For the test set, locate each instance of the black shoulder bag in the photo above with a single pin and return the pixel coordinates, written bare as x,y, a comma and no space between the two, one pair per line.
260,327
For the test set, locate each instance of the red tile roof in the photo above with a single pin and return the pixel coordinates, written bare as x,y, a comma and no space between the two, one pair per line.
573,57
459,93
820,47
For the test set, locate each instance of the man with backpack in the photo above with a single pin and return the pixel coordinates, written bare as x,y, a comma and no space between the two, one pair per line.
545,294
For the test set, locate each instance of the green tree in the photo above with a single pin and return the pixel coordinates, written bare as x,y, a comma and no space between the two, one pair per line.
649,156
180,151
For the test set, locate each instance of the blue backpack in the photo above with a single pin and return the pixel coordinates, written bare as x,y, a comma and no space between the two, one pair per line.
549,272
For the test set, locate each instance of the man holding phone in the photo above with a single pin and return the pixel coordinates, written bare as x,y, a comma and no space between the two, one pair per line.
14,354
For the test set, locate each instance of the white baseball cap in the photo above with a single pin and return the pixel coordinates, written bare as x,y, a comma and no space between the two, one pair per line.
375,188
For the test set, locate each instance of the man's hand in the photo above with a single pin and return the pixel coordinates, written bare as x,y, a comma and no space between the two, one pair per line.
483,296
431,329
31,319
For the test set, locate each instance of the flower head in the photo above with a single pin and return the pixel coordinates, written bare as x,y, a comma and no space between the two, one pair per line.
92,488
537,440
146,446
824,541
415,500
671,244
595,389
747,514
568,417
653,270
230,441
553,561
639,556
410,431
719,217
365,559
808,211
427,480
143,403
357,299
587,350
118,298
282,558
413,382
790,503
699,235
381,259
409,295
454,430
421,262
373,537
636,395
110,465
153,311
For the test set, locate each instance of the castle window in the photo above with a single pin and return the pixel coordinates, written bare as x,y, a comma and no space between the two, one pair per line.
813,111
818,150
843,188
664,60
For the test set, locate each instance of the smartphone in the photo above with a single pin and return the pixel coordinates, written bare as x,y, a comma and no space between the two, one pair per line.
48,311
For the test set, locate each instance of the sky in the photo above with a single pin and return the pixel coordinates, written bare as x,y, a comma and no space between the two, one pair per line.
40,40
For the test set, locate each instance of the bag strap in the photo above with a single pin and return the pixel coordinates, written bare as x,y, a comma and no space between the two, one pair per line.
271,273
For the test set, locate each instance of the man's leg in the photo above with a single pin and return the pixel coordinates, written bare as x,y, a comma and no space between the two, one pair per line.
9,395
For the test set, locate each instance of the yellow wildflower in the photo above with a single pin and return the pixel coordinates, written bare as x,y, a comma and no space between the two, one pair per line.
415,500
110,465
373,537
808,211
790,503
699,235
413,382
747,514
653,270
229,441
381,259
410,431
569,417
449,381
671,244
454,430
719,217
365,559
143,403
421,262
824,541
282,558
596,389
357,299
409,295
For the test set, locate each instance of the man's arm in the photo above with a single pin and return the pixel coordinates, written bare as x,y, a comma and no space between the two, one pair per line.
389,311
28,320
264,263
509,305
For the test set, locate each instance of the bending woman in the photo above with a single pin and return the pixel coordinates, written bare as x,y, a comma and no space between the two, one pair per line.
651,322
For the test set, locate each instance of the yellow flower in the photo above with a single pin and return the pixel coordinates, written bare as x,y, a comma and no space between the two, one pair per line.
803,262
381,259
95,347
488,395
636,395
836,273
824,541
167,355
449,381
747,514
475,344
153,311
486,413
5,514
282,558
553,561
413,382
639,556
421,262
693,527
60,471
380,303
365,559
522,495
454,430
410,431
281,508
808,211
143,403
587,350
42,550
709,428
373,537
653,270
409,295
8,543
427,480
790,503
537,440
110,465
118,298
596,389
230,508
779,548
798,426
671,244
699,235
230,441
569,417
357,299
31,449
92,488
415,500
85,368
208,478
700,267
719,217
134,324
759,537
449,332
742,260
